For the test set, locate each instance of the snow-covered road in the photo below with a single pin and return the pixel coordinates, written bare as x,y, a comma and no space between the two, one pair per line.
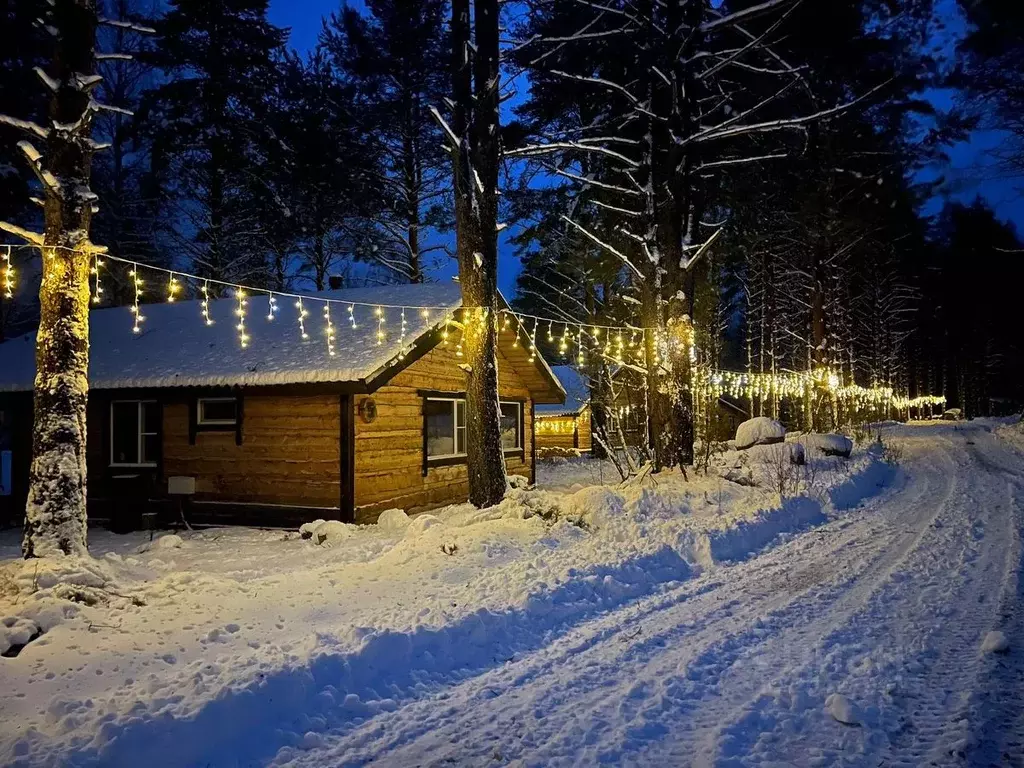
887,605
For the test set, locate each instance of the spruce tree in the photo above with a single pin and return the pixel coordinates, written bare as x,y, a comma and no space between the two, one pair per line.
395,56
209,125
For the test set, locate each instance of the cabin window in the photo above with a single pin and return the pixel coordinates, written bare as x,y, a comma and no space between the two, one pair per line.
445,424
446,427
134,433
511,426
217,411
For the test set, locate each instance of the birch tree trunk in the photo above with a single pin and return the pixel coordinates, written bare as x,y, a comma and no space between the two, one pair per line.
55,514
475,160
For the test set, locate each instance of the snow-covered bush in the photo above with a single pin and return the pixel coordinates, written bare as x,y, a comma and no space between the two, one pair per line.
759,430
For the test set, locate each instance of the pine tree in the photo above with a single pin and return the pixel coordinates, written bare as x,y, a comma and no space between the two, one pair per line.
209,125
325,176
474,146
394,56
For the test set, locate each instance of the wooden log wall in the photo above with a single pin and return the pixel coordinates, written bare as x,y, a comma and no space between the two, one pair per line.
389,450
289,452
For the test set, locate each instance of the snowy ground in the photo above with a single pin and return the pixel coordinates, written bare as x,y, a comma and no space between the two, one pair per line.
688,624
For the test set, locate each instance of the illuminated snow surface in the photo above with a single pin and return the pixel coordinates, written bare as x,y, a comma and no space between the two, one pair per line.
685,624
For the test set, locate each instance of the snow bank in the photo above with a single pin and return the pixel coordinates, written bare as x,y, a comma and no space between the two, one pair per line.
332,532
759,430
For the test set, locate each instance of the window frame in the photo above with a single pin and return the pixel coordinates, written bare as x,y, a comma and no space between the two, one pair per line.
225,424
519,446
441,457
140,434
455,398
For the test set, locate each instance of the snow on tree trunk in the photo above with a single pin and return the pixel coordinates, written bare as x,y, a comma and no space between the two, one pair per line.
475,164
55,514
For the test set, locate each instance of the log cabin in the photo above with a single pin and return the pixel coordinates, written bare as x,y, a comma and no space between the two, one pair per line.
314,417
565,427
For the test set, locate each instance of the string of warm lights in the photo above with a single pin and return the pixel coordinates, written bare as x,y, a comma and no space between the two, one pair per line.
587,338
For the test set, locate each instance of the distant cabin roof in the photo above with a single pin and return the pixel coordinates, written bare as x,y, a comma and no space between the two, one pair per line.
177,349
577,392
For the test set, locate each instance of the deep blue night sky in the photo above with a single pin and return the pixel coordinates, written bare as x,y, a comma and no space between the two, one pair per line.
965,174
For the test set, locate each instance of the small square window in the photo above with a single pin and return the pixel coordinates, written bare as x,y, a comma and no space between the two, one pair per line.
217,411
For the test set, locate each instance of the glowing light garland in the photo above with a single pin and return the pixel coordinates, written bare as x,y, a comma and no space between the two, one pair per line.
613,347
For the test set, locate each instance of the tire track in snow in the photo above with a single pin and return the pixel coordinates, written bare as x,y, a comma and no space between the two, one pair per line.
705,635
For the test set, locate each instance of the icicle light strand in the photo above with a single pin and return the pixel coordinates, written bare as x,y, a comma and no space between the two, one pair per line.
8,274
136,311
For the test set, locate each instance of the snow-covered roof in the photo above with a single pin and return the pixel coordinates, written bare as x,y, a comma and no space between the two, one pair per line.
177,349
577,392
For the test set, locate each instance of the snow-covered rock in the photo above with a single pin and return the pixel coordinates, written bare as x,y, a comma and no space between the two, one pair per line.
843,710
332,531
393,520
168,541
422,523
826,445
759,430
306,529
995,642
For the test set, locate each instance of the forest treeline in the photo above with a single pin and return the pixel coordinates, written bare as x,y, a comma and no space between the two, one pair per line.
774,197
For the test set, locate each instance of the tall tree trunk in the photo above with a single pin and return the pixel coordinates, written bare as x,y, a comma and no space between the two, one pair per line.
475,123
55,514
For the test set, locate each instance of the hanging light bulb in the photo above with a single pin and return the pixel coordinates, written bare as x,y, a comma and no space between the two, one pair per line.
243,337
136,312
303,314
352,315
405,326
579,347
444,334
563,342
533,341
271,306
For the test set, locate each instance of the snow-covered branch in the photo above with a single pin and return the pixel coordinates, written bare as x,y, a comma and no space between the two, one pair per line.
25,125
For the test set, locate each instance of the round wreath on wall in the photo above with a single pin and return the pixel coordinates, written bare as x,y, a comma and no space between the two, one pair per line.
368,409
